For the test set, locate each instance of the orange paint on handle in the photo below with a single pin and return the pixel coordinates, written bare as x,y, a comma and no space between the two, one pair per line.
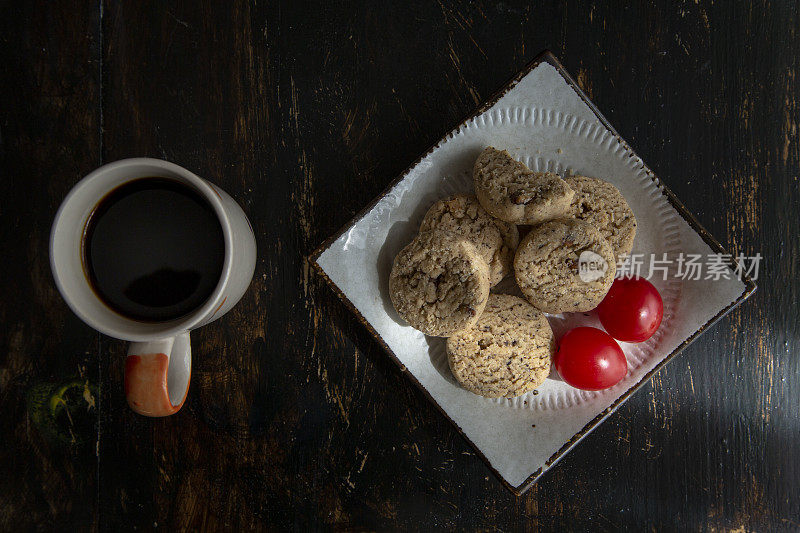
146,385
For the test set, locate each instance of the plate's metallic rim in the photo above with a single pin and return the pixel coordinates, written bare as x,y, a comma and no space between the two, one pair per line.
750,286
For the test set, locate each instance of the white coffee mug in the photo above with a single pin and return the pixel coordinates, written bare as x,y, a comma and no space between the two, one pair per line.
158,365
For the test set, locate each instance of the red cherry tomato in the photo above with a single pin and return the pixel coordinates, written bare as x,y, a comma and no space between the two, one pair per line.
589,359
632,310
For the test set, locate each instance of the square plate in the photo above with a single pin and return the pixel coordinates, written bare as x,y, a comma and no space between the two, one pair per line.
543,118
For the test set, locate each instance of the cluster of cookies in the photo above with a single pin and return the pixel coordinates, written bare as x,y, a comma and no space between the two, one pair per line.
500,345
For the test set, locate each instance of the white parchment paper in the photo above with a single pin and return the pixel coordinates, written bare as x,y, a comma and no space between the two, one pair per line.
545,124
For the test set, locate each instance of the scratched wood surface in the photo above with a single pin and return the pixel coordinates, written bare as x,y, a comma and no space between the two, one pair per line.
296,418
49,137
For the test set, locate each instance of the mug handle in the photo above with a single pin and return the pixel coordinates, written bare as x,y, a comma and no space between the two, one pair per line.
157,375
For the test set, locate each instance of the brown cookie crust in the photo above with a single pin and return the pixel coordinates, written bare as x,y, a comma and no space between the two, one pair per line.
506,353
512,192
502,264
547,263
463,215
602,205
439,284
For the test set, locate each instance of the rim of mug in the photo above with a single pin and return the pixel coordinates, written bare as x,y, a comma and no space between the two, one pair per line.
176,326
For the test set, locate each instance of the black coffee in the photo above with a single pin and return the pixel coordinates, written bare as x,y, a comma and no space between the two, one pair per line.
153,249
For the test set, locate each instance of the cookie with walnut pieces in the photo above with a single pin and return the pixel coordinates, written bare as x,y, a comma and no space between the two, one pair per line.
512,192
564,266
495,240
439,283
506,353
602,205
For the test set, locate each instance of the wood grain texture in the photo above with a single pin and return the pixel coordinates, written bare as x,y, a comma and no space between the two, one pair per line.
49,138
296,418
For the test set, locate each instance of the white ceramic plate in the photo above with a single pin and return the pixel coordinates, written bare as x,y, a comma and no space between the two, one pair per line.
543,119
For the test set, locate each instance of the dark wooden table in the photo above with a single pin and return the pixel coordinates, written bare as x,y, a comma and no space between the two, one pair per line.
296,418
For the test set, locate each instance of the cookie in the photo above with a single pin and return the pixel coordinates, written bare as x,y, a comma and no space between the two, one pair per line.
548,266
603,206
510,191
463,215
507,353
439,283
502,263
